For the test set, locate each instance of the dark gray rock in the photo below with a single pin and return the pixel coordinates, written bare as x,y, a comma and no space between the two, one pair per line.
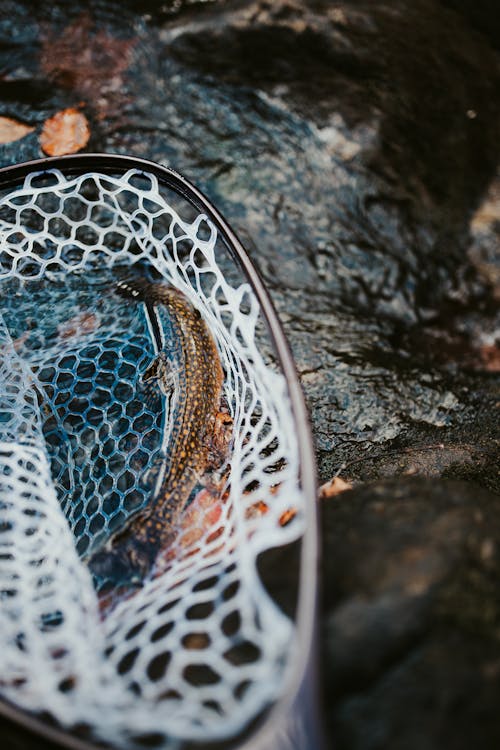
412,616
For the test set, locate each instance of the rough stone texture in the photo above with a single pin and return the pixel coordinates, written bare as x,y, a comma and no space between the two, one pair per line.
354,147
412,616
349,143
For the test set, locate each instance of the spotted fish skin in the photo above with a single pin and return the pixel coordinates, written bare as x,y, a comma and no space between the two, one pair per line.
193,371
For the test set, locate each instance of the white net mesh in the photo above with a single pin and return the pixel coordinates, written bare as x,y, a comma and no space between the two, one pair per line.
200,648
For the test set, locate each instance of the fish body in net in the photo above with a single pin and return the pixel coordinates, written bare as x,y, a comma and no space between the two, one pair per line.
190,374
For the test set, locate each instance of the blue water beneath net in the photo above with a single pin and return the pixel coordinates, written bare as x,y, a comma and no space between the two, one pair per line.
87,348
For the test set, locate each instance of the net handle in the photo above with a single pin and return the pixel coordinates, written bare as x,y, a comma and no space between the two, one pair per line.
78,164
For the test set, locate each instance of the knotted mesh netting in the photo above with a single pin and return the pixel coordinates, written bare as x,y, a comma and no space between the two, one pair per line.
200,648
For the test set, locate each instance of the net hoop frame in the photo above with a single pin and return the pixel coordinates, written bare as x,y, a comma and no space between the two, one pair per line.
301,687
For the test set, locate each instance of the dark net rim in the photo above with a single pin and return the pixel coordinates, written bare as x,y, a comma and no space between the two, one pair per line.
302,674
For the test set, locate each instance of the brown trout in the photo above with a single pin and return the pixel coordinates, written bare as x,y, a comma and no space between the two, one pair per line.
192,373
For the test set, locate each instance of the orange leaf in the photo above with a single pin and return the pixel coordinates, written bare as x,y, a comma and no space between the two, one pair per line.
65,133
334,487
12,130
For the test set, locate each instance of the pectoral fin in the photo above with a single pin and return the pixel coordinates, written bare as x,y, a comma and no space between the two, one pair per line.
152,371
160,369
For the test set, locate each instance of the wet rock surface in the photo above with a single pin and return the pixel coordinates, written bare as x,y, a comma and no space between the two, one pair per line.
350,144
354,147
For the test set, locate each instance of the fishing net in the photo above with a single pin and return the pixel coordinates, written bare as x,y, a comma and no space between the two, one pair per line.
202,647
